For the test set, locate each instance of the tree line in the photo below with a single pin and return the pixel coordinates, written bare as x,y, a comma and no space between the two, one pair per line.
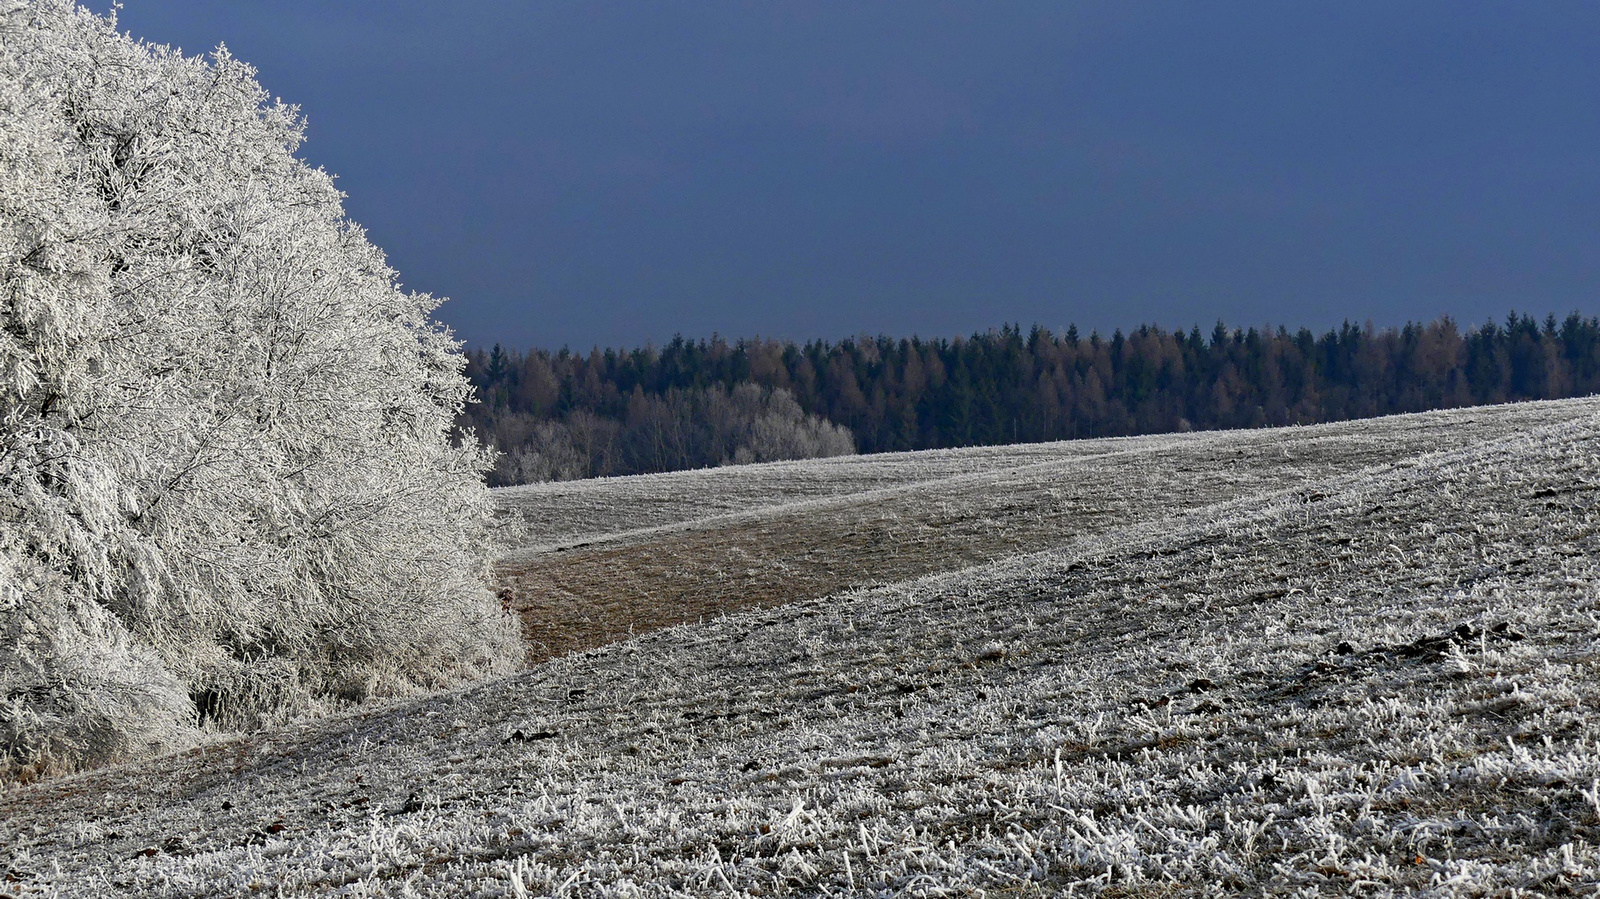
1010,385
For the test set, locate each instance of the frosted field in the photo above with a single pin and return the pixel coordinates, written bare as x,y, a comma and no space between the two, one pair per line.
559,514
895,517
1340,664
564,513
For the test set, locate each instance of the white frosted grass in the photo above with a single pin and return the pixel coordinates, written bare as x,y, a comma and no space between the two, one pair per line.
537,517
561,512
1380,683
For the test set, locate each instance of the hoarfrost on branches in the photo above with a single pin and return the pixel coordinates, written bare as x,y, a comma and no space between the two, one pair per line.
227,493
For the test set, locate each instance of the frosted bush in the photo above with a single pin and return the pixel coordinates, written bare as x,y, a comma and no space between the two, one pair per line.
227,495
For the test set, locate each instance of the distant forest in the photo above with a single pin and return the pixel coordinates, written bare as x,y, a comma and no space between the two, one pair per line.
563,415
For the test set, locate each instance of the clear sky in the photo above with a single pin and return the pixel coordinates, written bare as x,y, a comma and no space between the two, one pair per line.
610,173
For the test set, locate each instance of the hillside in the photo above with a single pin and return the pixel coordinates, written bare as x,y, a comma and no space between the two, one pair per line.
1347,658
601,560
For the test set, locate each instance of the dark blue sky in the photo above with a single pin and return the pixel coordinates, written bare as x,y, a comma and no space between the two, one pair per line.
609,173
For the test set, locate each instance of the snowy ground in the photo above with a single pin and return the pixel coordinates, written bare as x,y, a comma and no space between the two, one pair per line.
1363,669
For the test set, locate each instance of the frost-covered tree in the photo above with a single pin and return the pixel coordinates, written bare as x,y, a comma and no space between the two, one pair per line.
680,429
227,491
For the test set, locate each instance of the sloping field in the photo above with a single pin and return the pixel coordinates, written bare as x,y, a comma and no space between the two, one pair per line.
761,536
565,513
1374,681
